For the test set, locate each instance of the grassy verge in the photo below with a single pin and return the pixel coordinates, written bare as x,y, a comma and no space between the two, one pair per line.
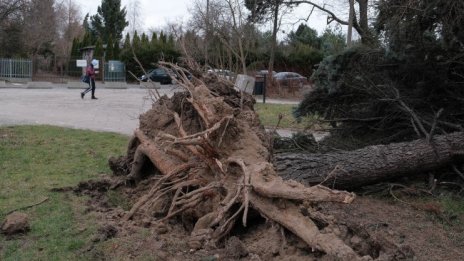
35,159
269,115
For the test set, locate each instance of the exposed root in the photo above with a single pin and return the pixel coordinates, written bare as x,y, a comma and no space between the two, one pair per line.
269,185
303,227
213,162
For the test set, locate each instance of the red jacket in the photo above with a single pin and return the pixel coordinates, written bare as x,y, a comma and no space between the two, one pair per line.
90,72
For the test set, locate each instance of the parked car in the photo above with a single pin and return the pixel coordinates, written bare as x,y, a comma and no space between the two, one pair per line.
264,73
290,79
162,75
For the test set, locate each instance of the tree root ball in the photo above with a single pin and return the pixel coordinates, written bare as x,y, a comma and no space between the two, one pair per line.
208,161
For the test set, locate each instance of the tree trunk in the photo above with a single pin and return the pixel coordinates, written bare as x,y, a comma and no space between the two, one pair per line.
349,34
366,36
349,169
274,42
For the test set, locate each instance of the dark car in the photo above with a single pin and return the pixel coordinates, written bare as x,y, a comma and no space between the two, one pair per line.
290,79
163,76
157,75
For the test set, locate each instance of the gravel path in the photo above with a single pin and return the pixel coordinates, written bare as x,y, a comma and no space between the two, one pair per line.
116,110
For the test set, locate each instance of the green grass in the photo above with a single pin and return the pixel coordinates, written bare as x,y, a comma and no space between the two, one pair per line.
115,199
269,115
35,159
452,205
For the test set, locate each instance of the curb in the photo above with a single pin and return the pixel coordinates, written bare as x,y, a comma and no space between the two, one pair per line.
39,85
12,86
150,85
114,85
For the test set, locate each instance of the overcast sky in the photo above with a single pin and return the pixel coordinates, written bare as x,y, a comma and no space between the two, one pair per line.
156,13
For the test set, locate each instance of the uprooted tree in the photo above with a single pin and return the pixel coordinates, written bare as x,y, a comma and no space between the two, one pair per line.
409,87
373,164
211,161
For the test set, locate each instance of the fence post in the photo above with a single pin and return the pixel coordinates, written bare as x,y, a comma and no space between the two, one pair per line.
264,89
10,68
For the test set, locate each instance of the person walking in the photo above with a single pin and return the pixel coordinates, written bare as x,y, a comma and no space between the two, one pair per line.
90,72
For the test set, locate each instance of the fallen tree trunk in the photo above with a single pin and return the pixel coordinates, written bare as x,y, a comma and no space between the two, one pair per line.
350,169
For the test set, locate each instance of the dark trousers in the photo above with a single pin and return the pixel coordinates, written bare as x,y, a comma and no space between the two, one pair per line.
91,87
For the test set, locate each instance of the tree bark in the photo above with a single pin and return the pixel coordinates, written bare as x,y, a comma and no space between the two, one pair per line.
350,169
366,36
349,35
275,27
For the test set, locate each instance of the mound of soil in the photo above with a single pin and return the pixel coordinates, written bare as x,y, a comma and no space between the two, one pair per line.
15,223
369,225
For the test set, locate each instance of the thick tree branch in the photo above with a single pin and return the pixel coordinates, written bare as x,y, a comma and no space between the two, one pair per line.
360,26
330,13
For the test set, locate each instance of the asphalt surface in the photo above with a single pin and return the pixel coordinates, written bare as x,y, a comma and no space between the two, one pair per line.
116,110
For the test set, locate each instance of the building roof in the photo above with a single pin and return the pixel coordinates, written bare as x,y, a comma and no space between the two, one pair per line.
90,47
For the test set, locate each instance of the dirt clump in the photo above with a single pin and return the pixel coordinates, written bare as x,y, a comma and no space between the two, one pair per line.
15,223
381,228
397,231
106,232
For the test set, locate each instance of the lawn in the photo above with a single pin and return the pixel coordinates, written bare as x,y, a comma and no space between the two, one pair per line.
36,159
269,115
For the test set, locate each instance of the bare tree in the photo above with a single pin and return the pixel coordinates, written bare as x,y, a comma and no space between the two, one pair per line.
360,21
224,20
69,27
239,26
8,7
204,19
192,43
134,17
40,28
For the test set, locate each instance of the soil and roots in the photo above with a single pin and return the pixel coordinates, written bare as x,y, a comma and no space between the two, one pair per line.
208,160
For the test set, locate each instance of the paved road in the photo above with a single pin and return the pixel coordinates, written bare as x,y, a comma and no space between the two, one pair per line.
116,110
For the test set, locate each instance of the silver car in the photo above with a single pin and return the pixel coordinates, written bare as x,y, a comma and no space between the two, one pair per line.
290,79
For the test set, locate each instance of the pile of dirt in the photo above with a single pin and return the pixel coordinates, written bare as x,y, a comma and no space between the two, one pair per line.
383,223
15,223
380,227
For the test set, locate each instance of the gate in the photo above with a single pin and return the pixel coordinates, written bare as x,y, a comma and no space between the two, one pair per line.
115,71
16,69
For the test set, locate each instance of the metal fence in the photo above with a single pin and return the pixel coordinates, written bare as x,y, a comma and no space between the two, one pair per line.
15,69
115,71
57,70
